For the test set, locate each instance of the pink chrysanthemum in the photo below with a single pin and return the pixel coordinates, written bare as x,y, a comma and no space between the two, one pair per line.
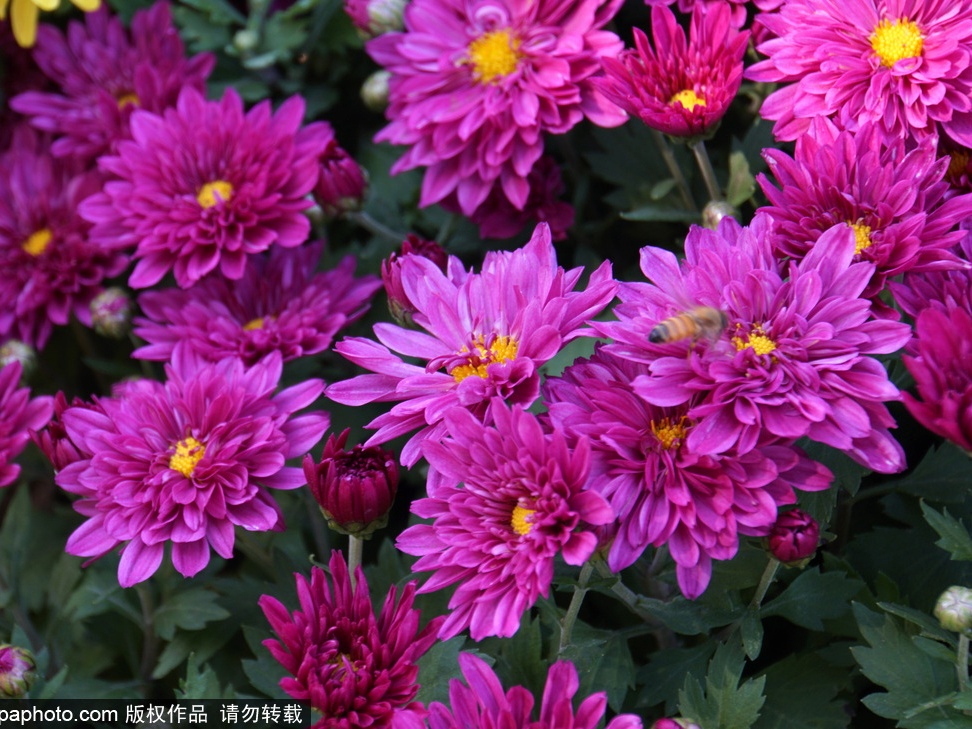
279,304
738,7
664,491
203,185
942,368
940,290
475,86
521,503
483,704
105,73
485,336
19,416
682,88
796,357
49,266
902,64
186,461
893,200
356,669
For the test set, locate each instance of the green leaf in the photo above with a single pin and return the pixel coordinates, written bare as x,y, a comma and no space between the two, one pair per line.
814,597
219,12
689,617
942,476
751,629
201,682
929,625
666,671
741,184
98,593
264,672
603,663
437,668
660,212
955,538
802,693
203,644
189,610
725,703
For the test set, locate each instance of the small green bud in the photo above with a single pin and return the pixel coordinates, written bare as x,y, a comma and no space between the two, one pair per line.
954,609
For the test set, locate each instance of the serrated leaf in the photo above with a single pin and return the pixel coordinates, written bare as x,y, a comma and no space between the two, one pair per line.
189,610
814,597
955,538
929,625
264,672
689,617
437,668
603,663
725,703
201,682
203,644
98,593
666,671
942,475
802,693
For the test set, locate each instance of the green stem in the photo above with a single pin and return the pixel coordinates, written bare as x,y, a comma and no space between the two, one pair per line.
962,662
373,226
705,167
674,170
764,582
149,640
567,625
355,548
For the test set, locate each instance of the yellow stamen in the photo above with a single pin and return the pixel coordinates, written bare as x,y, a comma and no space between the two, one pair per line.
125,99
254,324
521,521
669,434
862,236
757,340
494,55
212,192
38,241
895,41
688,99
188,453
502,349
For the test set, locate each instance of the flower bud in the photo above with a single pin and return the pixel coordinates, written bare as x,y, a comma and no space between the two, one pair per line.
16,351
374,91
17,671
391,273
714,212
954,609
111,312
54,441
375,17
341,183
355,489
794,536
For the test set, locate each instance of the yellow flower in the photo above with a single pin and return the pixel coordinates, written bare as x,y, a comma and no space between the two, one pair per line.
23,16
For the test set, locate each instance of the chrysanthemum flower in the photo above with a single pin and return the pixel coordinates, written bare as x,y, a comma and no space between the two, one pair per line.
203,185
942,369
483,704
485,336
399,306
795,359
357,669
49,266
23,15
106,72
940,290
19,415
738,7
663,490
280,304
54,441
893,200
475,87
682,88
521,503
342,182
902,64
186,461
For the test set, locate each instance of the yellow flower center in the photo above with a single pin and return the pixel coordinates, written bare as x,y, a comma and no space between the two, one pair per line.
669,434
500,349
521,520
188,453
688,99
494,55
757,340
38,241
862,236
254,324
895,41
130,98
212,192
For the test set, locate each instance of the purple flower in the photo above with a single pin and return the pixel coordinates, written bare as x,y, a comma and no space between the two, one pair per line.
19,414
105,73
357,669
680,88
399,306
342,182
796,357
203,185
49,266
794,537
738,7
279,305
521,503
475,87
942,290
18,671
186,461
485,336
894,201
54,441
663,490
902,64
484,704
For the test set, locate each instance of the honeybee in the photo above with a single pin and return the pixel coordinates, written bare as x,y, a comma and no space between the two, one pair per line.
699,322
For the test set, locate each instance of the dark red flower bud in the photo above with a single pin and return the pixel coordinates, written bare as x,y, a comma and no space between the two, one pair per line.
391,273
794,536
54,441
341,183
355,489
17,671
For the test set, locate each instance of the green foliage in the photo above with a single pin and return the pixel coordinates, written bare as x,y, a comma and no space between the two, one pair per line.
955,537
723,702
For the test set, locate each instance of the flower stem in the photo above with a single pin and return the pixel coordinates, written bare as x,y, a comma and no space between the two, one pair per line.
355,548
373,226
764,582
674,170
567,624
149,640
962,662
705,167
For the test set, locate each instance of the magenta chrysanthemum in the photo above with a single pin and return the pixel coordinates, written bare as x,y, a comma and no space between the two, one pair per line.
475,86
795,358
893,200
682,88
940,290
186,461
664,491
521,503
279,304
942,369
19,416
485,336
356,669
105,73
484,704
203,185
902,64
687,6
49,266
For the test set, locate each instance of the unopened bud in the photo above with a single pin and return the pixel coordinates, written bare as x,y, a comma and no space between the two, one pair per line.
246,41
111,313
954,609
17,671
14,350
341,183
794,537
375,17
714,212
399,305
374,91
